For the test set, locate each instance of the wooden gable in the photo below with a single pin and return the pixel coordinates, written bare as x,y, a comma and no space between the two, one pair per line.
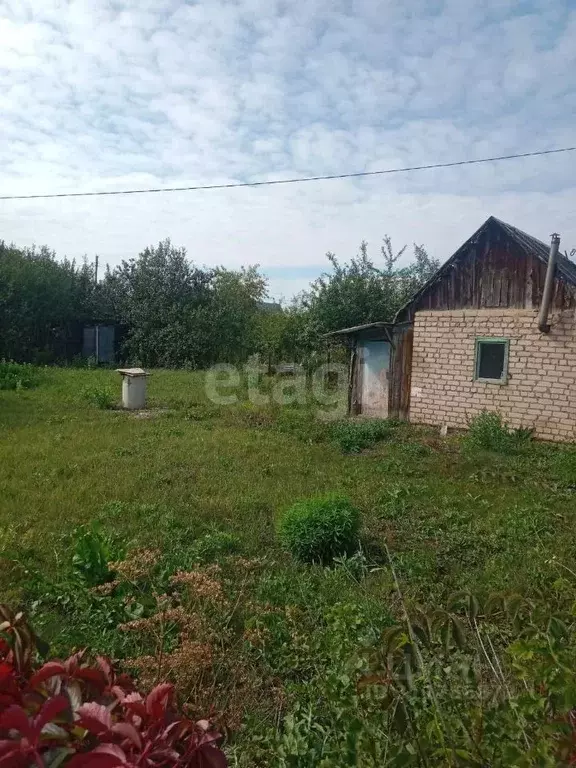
498,266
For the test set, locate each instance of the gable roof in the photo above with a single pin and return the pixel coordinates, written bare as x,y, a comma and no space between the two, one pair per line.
534,247
530,246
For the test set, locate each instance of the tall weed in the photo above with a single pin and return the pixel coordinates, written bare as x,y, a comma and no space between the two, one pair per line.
100,396
489,432
18,375
354,436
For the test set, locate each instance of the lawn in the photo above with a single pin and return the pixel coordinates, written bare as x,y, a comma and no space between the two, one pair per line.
191,485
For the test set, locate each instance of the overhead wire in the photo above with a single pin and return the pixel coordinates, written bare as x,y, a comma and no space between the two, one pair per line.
295,180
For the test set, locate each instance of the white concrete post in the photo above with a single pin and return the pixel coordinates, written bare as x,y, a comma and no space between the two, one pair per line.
133,387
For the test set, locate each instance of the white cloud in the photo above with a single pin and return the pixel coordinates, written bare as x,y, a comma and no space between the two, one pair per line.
111,95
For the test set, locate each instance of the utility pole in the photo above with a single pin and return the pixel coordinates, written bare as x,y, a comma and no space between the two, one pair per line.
97,329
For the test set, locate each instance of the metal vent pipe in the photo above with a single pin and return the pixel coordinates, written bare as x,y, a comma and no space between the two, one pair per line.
543,326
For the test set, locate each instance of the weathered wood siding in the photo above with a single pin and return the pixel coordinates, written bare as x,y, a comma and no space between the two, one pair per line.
400,372
355,384
491,273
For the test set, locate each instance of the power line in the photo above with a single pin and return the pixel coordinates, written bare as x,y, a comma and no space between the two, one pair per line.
297,180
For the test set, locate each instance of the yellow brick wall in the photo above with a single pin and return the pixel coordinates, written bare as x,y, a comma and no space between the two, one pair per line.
541,389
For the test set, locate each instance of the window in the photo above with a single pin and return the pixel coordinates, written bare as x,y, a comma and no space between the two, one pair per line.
491,360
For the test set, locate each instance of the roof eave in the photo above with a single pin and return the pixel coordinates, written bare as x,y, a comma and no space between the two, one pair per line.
358,329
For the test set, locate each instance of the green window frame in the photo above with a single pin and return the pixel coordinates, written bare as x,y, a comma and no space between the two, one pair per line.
485,340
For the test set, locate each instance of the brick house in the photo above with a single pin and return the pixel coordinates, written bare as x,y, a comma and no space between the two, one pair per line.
495,328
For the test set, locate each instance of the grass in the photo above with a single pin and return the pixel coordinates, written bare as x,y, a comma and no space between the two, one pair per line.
205,483
65,463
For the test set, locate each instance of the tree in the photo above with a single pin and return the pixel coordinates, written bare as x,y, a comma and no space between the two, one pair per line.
176,313
231,317
282,336
358,291
43,304
154,296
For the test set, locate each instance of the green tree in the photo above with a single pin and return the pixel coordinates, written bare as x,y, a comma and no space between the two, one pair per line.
43,304
176,313
360,291
154,297
231,317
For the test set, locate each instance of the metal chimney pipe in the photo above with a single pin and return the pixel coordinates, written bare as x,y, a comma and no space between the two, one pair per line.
543,326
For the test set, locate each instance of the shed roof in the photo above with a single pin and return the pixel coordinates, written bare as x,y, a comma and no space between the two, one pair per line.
359,328
529,245
533,246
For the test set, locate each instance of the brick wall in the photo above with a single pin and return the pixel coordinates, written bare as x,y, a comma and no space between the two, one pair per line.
541,388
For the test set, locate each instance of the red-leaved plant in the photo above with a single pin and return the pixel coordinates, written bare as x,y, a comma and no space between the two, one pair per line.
73,714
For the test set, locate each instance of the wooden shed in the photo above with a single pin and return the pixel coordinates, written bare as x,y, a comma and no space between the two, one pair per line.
478,314
380,355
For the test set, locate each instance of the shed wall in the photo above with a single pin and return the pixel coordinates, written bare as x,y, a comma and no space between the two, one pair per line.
540,392
400,372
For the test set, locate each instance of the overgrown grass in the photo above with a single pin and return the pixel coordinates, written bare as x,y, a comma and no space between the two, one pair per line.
489,432
200,484
18,375
102,397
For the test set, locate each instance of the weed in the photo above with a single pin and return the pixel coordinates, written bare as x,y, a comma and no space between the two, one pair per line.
395,502
489,432
356,565
320,529
414,450
354,436
18,375
303,424
102,397
208,548
92,553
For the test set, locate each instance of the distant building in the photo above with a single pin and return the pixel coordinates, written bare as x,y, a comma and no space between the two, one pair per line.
98,342
269,307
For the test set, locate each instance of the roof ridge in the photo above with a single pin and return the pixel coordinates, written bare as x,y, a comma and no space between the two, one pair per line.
517,230
528,244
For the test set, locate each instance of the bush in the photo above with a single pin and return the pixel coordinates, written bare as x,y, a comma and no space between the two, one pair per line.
320,529
69,713
489,432
18,376
354,436
101,397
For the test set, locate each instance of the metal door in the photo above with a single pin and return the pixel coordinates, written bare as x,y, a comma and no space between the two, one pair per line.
374,361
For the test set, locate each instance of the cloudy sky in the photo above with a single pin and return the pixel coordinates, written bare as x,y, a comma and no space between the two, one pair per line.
98,95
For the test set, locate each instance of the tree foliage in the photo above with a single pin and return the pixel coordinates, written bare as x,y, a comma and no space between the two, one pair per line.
361,291
43,304
170,312
157,297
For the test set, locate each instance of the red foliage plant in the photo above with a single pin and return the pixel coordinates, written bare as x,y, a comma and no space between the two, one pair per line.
76,715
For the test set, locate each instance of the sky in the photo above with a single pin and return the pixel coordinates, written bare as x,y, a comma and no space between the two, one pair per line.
101,95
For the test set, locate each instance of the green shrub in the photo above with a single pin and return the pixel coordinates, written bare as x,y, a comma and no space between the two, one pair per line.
489,432
354,436
18,376
320,529
101,397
